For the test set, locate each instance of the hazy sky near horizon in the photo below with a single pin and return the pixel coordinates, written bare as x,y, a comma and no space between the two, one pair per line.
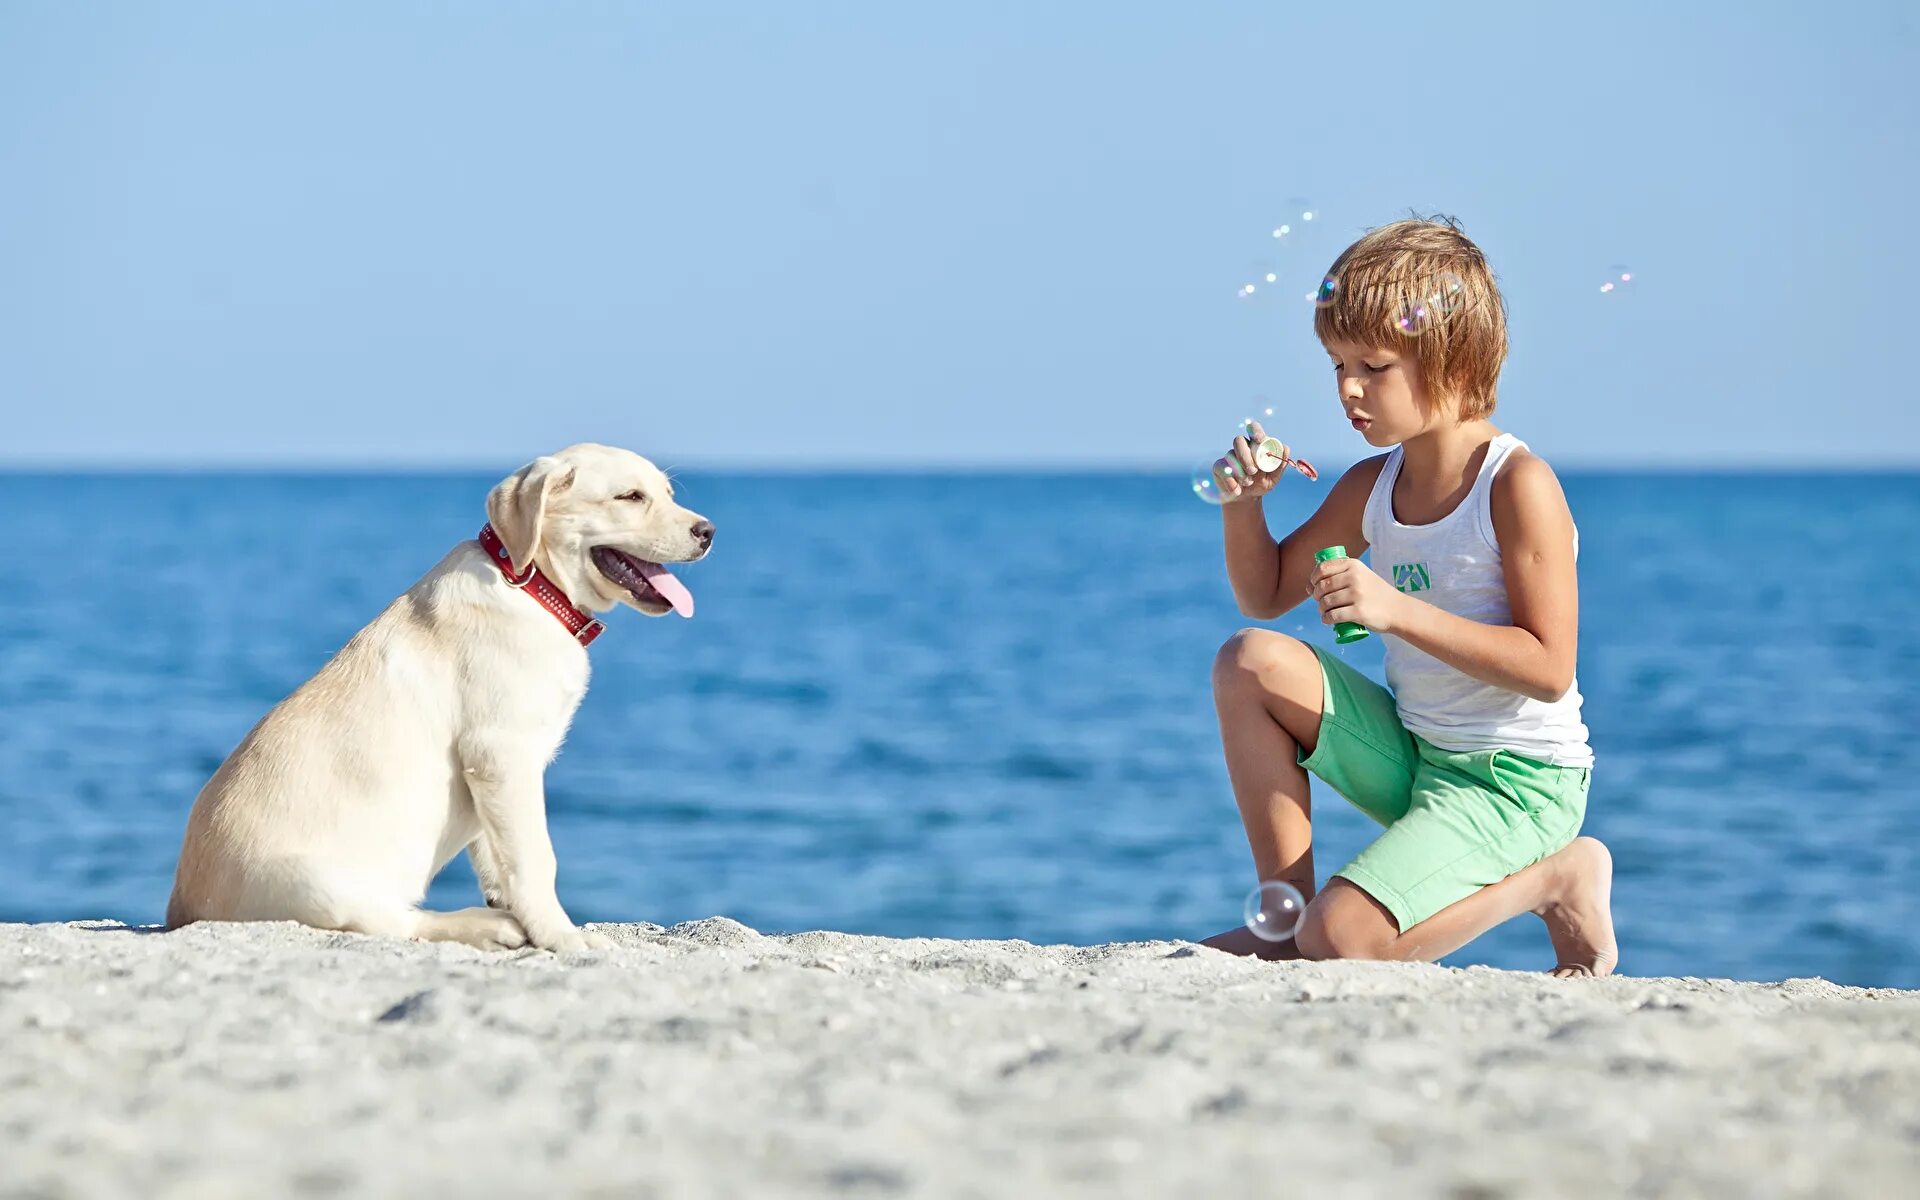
979,234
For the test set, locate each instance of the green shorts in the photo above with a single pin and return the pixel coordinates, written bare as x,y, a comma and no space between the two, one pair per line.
1456,822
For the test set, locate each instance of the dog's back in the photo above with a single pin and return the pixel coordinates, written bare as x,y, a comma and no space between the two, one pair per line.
348,789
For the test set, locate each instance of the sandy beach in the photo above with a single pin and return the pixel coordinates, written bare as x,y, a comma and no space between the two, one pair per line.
709,1060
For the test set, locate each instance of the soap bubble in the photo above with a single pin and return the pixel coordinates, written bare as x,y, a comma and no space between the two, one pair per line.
1329,290
1416,315
1300,206
1273,910
1263,415
1448,294
1204,485
1258,282
1618,276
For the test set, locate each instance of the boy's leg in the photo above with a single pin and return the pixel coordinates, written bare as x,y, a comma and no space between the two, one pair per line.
1267,692
1488,835
1287,710
1571,890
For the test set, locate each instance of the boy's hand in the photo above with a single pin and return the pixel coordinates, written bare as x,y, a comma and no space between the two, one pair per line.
1236,475
1347,589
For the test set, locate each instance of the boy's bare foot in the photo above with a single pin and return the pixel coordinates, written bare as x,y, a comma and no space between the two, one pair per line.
1241,940
1580,916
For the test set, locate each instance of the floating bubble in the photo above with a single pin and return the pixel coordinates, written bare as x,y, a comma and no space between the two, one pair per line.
1273,910
1449,292
1205,487
1302,207
1416,316
1259,280
1329,290
1262,416
1618,276
1281,231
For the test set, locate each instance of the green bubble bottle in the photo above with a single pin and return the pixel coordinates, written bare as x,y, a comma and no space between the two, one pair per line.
1343,631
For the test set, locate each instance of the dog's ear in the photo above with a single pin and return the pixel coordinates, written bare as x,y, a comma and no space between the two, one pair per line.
517,506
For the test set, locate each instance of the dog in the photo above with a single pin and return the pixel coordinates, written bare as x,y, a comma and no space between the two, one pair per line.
431,730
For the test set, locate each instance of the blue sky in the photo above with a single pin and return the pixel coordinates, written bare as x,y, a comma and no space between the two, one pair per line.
902,234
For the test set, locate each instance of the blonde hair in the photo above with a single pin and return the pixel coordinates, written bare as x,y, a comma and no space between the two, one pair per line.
1422,285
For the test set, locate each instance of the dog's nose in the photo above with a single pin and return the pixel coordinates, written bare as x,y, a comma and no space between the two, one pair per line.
703,532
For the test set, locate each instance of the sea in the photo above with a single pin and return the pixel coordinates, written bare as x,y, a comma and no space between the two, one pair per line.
977,705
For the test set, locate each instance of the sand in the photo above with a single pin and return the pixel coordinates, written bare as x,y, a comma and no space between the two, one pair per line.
709,1060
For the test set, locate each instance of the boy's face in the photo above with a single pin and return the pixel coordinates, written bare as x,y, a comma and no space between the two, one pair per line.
1380,390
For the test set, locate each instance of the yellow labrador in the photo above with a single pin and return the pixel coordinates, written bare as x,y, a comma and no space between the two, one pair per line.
431,730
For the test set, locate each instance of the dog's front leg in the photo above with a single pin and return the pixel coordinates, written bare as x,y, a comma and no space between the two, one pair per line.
512,807
487,870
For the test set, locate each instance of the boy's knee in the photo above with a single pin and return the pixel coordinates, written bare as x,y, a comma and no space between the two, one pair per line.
1250,655
1321,940
1331,930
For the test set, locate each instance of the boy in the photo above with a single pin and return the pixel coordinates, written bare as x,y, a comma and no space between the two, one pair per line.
1476,761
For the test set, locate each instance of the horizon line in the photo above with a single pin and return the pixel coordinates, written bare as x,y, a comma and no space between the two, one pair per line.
862,466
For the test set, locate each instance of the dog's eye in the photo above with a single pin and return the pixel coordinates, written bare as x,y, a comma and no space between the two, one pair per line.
637,496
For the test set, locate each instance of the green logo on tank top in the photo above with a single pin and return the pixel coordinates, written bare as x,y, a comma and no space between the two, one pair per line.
1411,577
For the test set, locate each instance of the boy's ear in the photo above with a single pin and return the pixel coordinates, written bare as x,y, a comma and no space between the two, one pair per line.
1447,400
517,507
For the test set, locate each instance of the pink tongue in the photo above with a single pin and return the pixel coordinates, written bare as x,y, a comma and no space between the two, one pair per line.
671,590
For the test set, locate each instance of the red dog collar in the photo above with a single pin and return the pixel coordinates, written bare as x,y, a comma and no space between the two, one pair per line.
583,627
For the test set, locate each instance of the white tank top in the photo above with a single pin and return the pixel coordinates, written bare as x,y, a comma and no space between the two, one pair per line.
1454,563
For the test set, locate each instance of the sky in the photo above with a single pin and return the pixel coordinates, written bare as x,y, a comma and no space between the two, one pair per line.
796,236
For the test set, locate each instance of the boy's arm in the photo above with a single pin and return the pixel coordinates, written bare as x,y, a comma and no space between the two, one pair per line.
1270,577
1535,655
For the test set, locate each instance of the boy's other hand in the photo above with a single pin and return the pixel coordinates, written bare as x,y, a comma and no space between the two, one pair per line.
1236,475
1347,589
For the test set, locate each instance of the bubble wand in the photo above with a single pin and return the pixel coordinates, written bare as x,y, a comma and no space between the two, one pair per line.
1272,454
1269,454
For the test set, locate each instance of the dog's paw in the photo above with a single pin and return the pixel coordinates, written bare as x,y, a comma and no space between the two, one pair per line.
507,934
570,939
481,928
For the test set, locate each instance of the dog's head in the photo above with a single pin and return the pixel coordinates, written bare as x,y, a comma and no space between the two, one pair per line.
600,521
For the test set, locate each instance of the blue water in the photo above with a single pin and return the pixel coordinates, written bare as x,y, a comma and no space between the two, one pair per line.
977,706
